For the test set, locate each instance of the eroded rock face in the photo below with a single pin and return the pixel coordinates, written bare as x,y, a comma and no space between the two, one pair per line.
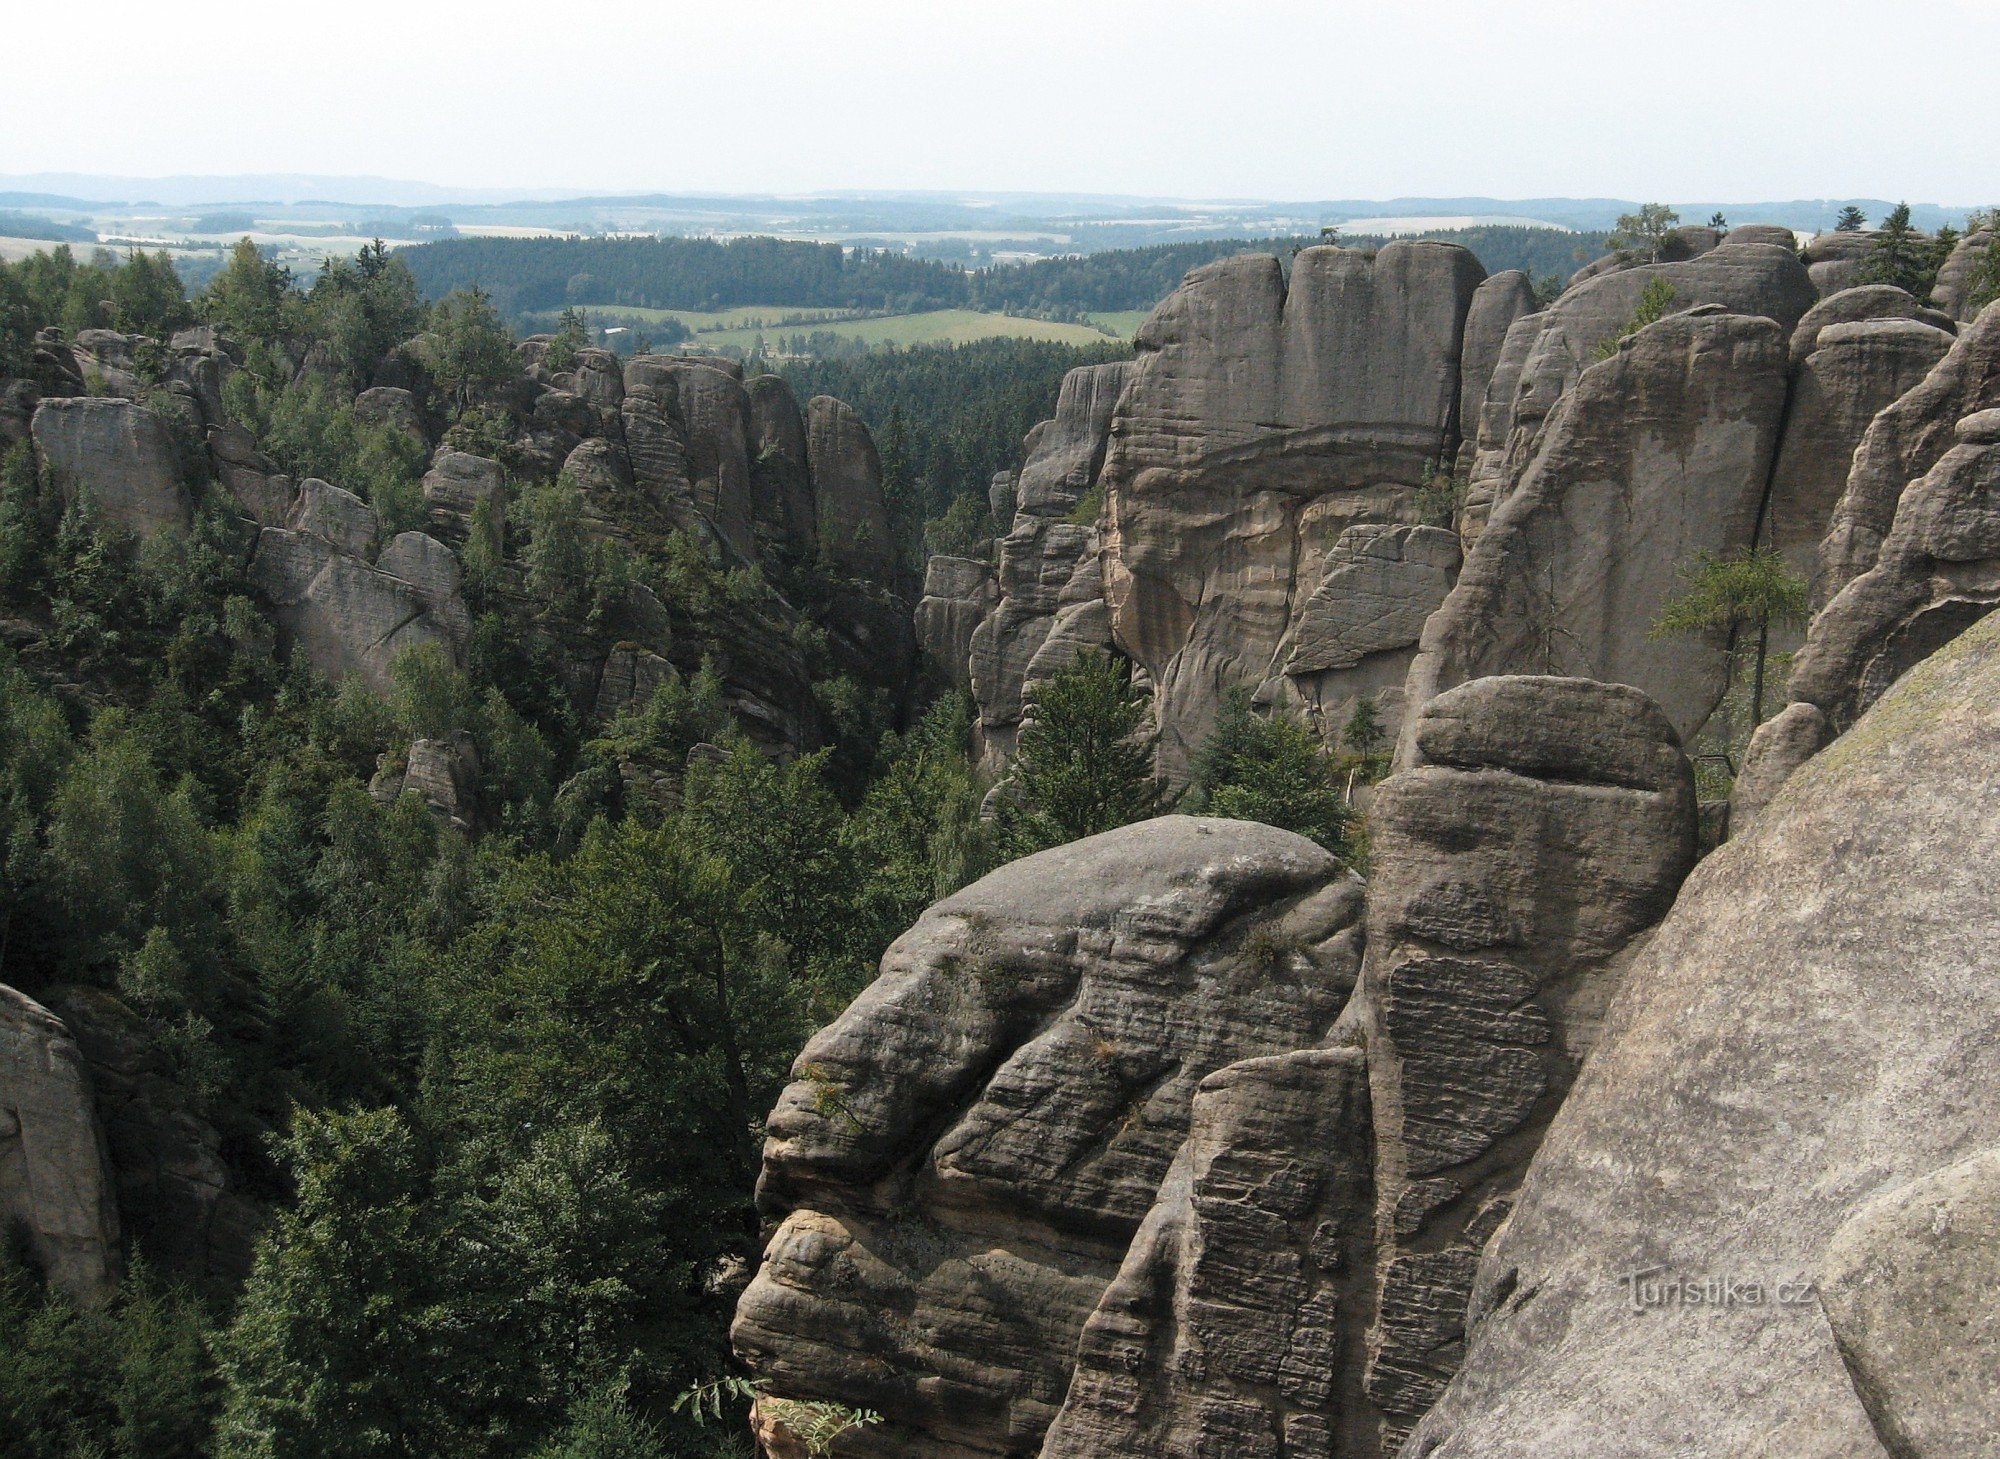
56,1185
1497,305
118,454
780,474
958,594
1262,420
1902,443
1911,1286
1815,1024
847,491
1956,279
1850,372
455,488
347,616
1658,453
967,1152
1937,572
1223,1332
1540,828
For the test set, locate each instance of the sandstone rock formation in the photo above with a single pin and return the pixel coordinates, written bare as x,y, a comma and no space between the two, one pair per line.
1955,290
347,616
455,488
1660,452
56,1186
1847,374
1911,1287
958,594
1902,443
1539,828
964,1156
1223,1331
1937,571
1815,1026
118,455
847,491
1262,419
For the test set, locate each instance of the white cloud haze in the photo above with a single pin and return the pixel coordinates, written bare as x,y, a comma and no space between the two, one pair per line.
1710,99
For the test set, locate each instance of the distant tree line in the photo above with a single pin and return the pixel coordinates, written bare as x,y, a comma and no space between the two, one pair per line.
530,274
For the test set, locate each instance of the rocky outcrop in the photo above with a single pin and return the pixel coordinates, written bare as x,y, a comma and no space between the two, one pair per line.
341,519
1659,453
1815,1026
1956,290
178,1200
1907,1284
1262,419
1902,443
1497,305
1834,259
964,1156
1937,572
780,473
1777,747
348,616
958,594
443,773
853,521
1540,827
118,455
456,487
56,1185
1849,373
1222,1332
1048,572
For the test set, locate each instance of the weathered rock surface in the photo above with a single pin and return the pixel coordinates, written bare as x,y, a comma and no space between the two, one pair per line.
967,1152
1911,1287
1779,746
1902,443
1955,290
958,594
1850,372
342,519
56,1185
1497,305
1660,452
444,774
1261,421
780,473
346,616
1937,572
1815,1024
455,488
1541,826
178,1201
120,456
1222,1333
1852,306
847,491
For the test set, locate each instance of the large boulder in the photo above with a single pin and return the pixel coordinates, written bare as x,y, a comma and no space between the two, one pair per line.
1816,1023
1659,453
1497,305
340,518
1956,290
120,456
1263,418
348,617
1937,572
1068,449
56,1185
455,488
853,520
1540,828
1902,443
965,1154
1849,373
1853,306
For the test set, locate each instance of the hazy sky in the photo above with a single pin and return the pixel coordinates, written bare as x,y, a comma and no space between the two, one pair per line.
1678,99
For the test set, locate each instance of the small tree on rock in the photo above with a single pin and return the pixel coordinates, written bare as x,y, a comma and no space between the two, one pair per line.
1645,232
1851,220
1272,769
1725,595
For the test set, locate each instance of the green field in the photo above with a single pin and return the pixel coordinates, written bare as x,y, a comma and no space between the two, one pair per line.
742,327
1123,322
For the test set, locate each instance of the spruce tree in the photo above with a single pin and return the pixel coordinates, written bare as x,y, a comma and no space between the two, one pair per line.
1851,220
1085,759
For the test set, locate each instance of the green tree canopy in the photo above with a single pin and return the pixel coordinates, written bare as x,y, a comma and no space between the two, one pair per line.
1084,763
1270,768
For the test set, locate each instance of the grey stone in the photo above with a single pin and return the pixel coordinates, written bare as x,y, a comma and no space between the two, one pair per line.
118,455
1851,306
847,490
1069,448
342,614
1853,372
780,473
1955,290
958,594
56,1183
1497,305
1779,746
1659,453
1902,443
1816,1022
388,407
1911,1285
456,487
340,518
964,1156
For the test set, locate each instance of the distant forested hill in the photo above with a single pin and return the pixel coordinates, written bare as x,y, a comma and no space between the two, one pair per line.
524,274
530,274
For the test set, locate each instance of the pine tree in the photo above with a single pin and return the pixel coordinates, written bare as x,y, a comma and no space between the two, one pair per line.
1755,590
1851,220
1900,256
1272,769
1085,759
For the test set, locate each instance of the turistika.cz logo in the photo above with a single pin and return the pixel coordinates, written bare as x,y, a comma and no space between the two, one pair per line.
1652,1290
